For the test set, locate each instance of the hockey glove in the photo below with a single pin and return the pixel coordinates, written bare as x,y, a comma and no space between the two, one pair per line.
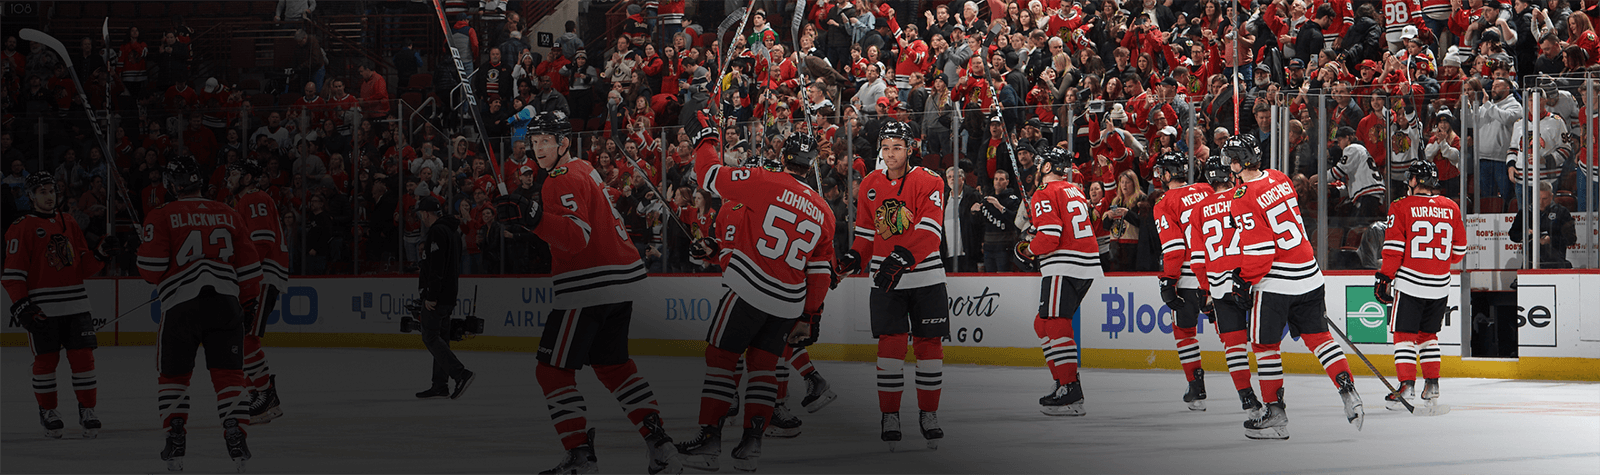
895,265
701,128
1209,308
1383,289
535,200
27,315
1243,292
251,308
1169,294
850,264
1024,253
704,248
109,247
813,322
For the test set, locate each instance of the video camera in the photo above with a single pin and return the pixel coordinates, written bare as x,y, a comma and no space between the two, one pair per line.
459,327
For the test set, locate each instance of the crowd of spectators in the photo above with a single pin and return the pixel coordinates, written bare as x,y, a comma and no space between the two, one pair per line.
989,84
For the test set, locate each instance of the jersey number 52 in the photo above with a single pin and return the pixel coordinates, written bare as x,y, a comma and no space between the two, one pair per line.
777,245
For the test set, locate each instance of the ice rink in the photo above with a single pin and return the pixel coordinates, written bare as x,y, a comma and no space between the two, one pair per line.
352,411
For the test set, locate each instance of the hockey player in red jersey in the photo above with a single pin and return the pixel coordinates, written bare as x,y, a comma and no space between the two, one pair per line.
776,245
46,262
1068,257
1424,238
1179,287
260,215
597,272
198,254
1213,236
899,225
1282,284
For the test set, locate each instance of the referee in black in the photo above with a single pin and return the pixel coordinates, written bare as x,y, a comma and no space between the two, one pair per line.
437,282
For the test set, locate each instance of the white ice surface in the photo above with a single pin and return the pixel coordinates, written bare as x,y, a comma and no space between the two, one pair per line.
352,411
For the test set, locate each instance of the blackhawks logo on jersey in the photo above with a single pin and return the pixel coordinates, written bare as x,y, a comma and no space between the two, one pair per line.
892,218
1238,192
59,253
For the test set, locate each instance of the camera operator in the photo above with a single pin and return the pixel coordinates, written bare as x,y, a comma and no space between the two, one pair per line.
437,276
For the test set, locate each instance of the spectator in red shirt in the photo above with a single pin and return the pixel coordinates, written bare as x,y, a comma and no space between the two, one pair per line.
374,93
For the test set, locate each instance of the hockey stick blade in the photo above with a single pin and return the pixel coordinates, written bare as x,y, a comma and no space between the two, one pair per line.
1429,411
732,19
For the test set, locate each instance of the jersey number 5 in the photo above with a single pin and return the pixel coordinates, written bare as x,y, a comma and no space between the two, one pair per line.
777,245
192,249
1420,245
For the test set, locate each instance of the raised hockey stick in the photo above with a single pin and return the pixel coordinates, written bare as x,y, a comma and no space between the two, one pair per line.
800,70
1434,410
472,101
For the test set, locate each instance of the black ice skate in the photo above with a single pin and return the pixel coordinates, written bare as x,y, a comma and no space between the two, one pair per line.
436,392
578,460
1251,405
1430,400
664,457
177,444
1352,401
89,422
1274,425
1064,400
929,421
462,383
701,453
234,436
51,422
891,429
748,451
818,394
1196,397
264,404
1407,390
784,424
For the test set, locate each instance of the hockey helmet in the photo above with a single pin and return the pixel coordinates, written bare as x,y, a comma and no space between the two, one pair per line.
800,150
1175,163
549,123
1057,159
1217,173
897,130
37,180
1426,173
1243,150
247,166
182,175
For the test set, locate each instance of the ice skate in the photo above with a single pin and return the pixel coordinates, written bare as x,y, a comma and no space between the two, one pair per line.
578,460
264,404
436,392
929,421
51,422
1274,425
1065,400
664,457
1352,401
1430,400
701,453
177,444
784,424
1196,397
1251,405
748,451
891,429
1407,390
818,394
234,436
462,383
89,422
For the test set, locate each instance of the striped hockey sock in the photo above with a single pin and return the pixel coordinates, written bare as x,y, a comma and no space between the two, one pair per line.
1429,349
84,382
172,398
800,360
1405,356
762,391
721,387
1060,350
930,372
256,372
1188,350
44,379
565,403
1269,368
1237,350
232,399
891,371
631,390
782,372
1328,352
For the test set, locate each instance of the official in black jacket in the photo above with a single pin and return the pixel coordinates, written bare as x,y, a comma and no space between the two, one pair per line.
437,283
1556,231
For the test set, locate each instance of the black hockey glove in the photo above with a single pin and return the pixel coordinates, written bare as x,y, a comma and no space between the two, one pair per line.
814,321
109,247
1024,252
535,201
704,248
1243,292
27,315
1169,294
895,265
1383,289
701,128
251,308
850,264
1209,308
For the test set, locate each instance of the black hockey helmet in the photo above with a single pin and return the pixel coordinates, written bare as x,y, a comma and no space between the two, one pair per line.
755,160
549,123
37,180
248,166
182,175
800,150
1175,163
1243,150
1217,173
897,130
1426,173
1058,160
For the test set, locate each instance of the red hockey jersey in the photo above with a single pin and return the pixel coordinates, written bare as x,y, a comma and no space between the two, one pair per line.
47,260
261,221
194,243
1277,256
1425,236
1215,234
1172,215
906,212
1065,243
594,262
777,240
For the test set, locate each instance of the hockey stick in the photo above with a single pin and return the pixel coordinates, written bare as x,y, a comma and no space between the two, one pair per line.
125,314
1435,410
472,101
800,70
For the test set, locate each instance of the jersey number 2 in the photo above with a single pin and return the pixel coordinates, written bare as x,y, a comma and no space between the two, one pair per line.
192,249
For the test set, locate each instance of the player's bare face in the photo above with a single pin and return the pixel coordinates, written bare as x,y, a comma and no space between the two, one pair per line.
233,179
44,198
894,153
547,149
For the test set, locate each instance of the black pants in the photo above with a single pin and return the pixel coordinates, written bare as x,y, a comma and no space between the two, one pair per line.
435,323
213,321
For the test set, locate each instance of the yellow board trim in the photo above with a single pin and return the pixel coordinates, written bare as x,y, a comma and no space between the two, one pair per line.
1541,368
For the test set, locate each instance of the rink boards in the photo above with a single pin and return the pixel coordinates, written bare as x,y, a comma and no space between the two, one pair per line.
1121,324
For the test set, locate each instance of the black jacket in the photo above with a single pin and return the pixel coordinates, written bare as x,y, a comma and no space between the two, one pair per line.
1363,41
1555,222
971,240
997,224
439,271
